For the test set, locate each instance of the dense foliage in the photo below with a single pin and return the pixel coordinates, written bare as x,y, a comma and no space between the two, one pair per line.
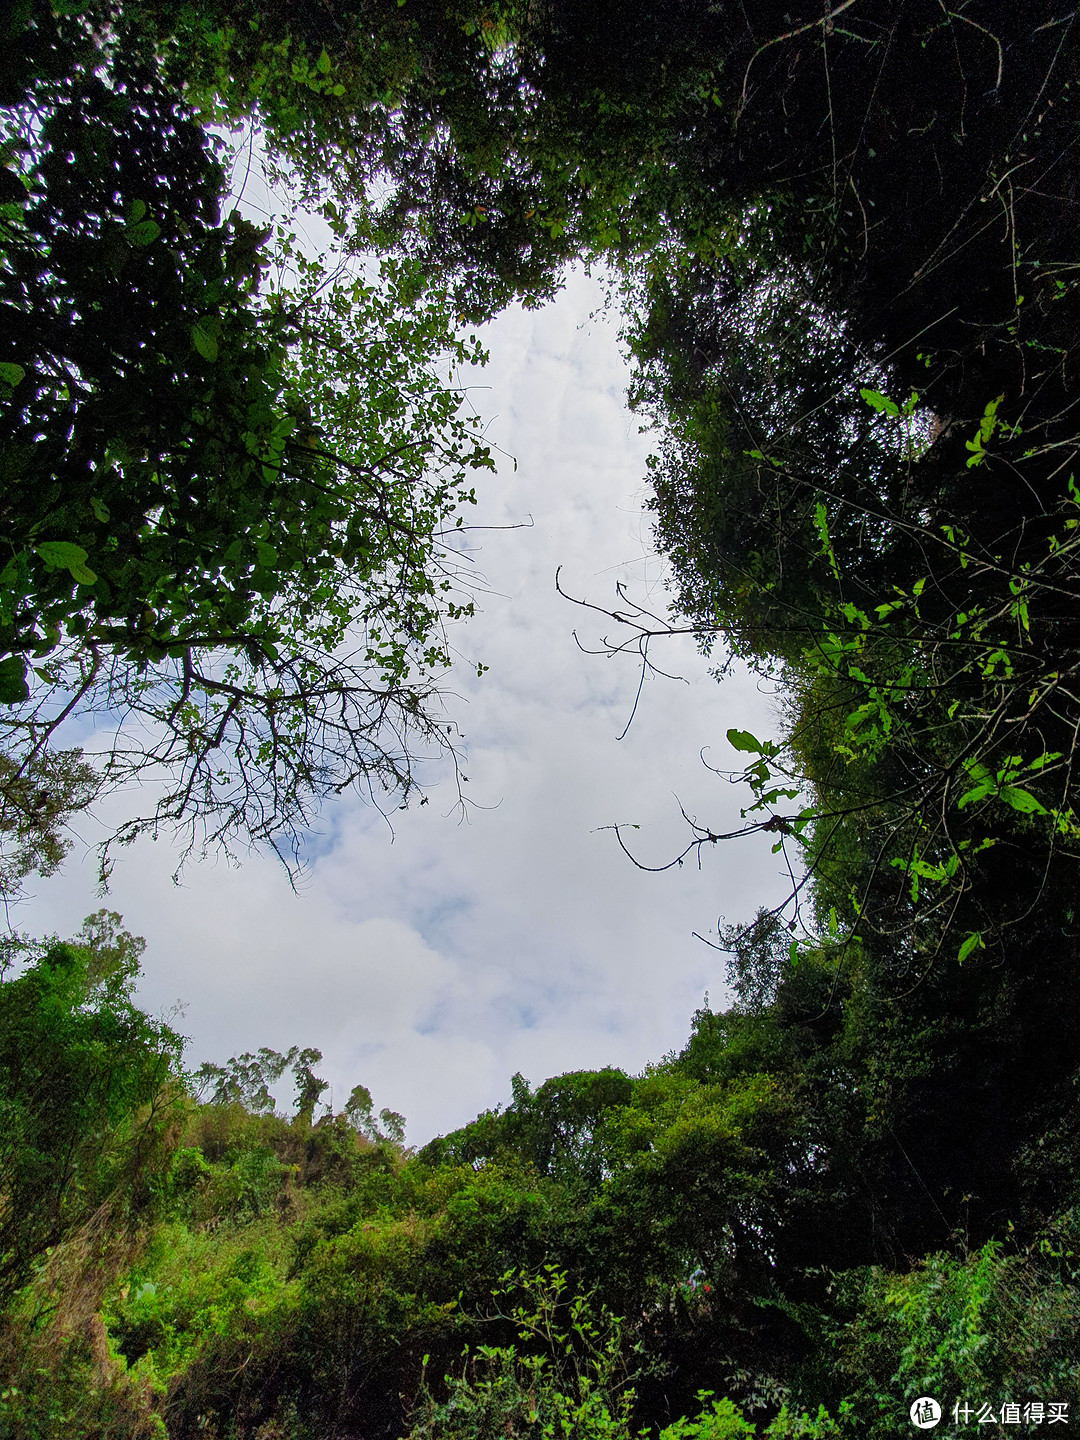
85,1080
709,1249
845,244
229,516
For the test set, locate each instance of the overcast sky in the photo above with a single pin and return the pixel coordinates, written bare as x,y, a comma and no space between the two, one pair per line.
433,960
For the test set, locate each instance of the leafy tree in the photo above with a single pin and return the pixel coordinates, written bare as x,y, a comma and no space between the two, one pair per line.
358,1112
37,801
844,420
246,1080
557,1129
308,1085
231,517
87,1085
759,955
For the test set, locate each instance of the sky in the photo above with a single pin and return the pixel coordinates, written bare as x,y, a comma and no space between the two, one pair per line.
431,955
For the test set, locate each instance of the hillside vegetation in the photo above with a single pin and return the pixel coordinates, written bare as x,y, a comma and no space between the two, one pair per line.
709,1249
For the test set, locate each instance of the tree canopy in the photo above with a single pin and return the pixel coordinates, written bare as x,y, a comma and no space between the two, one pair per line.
230,516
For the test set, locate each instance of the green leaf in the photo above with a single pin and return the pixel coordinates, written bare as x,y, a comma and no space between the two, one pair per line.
13,686
144,233
1022,800
100,509
854,615
821,525
10,373
64,555
203,341
1045,759
882,610
743,740
978,793
971,942
986,429
881,403
267,555
323,64
59,554
135,211
989,418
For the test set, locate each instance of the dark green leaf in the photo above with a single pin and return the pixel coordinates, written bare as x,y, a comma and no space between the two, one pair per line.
13,686
203,341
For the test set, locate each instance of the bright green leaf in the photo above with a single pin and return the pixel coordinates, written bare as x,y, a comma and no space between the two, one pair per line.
971,942
881,403
63,555
1022,800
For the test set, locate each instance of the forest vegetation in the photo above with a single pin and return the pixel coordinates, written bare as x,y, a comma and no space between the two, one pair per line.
844,244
